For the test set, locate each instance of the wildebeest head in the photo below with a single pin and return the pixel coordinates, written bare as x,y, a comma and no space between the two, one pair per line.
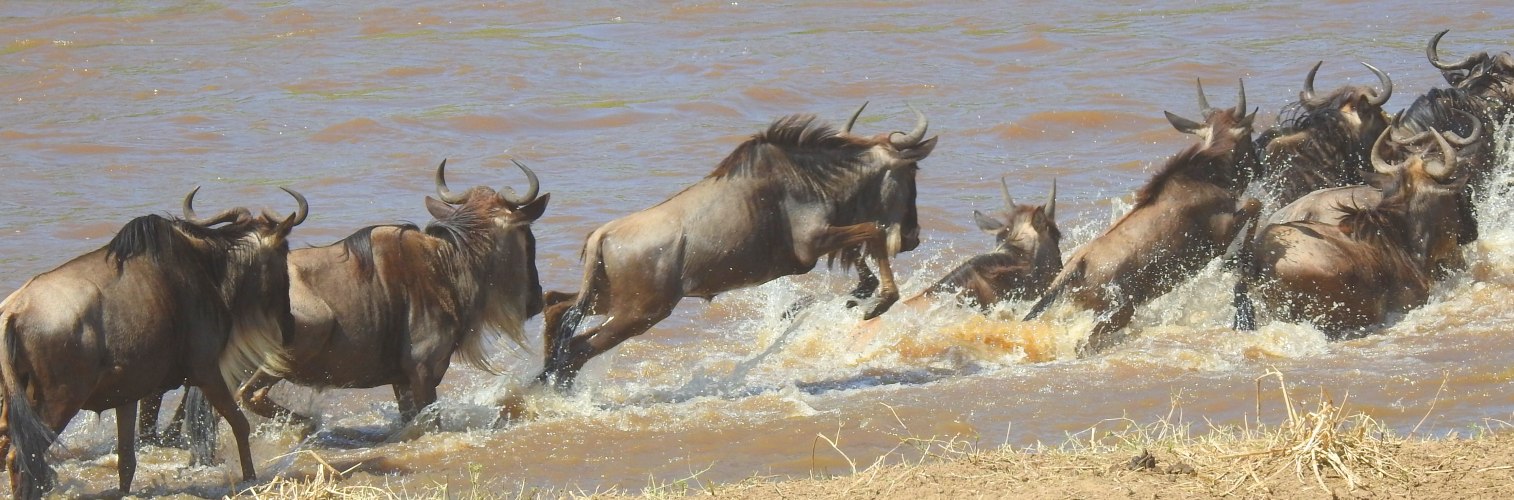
1025,229
1480,73
1224,127
494,229
891,195
254,281
1425,184
1351,114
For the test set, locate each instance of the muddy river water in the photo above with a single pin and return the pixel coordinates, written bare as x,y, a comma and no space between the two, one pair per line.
116,109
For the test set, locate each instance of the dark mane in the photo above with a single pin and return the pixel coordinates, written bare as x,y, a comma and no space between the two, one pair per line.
359,245
466,228
1381,226
799,152
165,241
1435,109
1213,165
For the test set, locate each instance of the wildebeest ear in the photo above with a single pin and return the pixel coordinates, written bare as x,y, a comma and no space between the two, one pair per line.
438,208
1183,125
987,223
532,211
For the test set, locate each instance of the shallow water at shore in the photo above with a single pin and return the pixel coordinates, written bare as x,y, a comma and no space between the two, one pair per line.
116,110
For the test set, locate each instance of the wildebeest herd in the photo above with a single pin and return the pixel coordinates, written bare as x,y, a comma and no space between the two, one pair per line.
1360,212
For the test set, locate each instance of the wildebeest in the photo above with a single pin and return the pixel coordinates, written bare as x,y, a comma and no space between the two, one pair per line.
1183,218
168,301
1322,141
1480,74
1027,255
789,196
1378,259
392,304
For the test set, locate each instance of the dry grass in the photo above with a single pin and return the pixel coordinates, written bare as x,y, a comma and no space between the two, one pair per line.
1318,449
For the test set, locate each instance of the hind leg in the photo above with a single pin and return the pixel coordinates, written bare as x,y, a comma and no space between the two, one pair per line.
254,395
624,323
220,398
557,305
147,421
126,446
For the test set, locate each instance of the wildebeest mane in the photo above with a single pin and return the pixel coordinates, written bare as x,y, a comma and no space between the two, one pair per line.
466,228
800,152
1435,109
1214,165
359,245
1381,226
164,241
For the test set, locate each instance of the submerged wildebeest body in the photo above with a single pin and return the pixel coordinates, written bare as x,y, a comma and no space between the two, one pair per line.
1027,255
784,199
1183,218
391,305
166,302
1374,259
1322,141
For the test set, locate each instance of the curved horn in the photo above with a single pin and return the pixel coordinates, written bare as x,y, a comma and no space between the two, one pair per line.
1240,105
441,186
534,187
1308,93
1433,54
853,120
903,141
1382,167
298,217
1009,203
1448,160
1051,201
227,215
1203,101
1381,98
1471,137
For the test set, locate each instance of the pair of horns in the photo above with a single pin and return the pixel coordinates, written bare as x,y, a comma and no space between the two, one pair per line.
1187,126
508,195
1009,202
1458,140
1441,172
1378,98
899,140
233,214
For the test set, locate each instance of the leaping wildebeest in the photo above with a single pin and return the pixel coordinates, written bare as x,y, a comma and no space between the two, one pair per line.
1183,218
1376,260
784,199
1322,141
168,301
393,304
1027,255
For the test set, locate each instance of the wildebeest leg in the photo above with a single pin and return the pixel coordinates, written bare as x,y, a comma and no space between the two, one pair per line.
126,446
1104,335
147,421
867,282
254,395
404,398
869,234
556,304
624,323
220,398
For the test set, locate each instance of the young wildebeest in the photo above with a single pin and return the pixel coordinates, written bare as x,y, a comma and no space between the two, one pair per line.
1378,259
1183,218
166,302
780,202
391,305
1027,255
1322,141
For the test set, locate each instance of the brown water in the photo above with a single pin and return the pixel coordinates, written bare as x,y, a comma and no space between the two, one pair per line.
113,110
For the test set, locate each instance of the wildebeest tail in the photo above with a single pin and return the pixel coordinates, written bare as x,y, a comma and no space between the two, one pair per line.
199,427
574,316
1245,266
1054,291
28,434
